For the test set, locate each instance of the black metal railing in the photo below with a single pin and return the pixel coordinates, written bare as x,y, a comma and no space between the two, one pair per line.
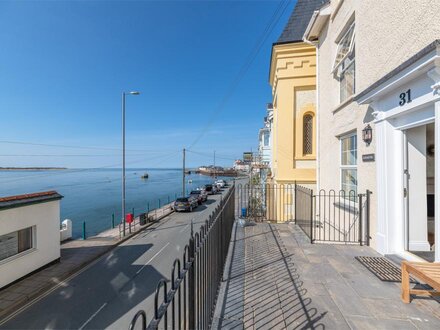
265,202
304,209
341,217
195,279
327,216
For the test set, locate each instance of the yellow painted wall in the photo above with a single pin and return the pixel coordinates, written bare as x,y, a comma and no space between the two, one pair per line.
292,73
293,81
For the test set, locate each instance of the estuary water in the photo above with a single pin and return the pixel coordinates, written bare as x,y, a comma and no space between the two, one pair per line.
93,195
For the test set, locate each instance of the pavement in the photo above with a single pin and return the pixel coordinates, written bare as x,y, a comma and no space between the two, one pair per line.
116,283
276,279
75,254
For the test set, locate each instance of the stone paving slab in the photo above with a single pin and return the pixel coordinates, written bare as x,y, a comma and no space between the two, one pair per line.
276,279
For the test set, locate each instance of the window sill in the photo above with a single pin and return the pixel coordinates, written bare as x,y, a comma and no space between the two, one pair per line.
311,157
16,256
343,104
350,206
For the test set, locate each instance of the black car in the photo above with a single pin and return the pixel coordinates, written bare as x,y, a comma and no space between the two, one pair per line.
209,189
197,194
183,204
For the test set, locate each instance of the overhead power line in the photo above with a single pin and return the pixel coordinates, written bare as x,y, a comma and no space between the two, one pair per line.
209,155
77,147
278,13
65,155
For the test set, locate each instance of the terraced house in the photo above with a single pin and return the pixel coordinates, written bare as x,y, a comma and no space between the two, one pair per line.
293,80
378,99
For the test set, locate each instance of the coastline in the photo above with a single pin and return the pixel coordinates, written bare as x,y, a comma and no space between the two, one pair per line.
32,168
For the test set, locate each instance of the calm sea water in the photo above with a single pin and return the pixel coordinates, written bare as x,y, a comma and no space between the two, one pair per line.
92,195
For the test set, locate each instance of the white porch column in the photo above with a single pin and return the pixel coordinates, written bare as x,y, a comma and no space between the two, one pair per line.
437,181
382,243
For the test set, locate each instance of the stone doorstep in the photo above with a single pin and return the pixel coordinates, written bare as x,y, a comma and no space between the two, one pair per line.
14,305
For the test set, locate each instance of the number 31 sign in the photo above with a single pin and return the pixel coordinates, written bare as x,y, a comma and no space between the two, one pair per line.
405,97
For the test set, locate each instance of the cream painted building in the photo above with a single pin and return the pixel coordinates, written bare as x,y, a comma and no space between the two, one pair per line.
29,234
264,137
378,65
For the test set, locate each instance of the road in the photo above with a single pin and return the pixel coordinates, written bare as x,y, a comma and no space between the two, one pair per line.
107,293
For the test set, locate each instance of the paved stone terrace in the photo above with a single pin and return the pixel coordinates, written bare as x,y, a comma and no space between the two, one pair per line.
278,280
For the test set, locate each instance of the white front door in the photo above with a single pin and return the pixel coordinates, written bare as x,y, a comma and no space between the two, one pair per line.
417,175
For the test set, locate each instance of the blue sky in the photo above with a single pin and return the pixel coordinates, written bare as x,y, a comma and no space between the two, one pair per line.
64,64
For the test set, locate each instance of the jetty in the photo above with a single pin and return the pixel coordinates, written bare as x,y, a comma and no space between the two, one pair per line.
217,171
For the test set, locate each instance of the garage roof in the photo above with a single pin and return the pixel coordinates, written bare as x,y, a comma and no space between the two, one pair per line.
27,199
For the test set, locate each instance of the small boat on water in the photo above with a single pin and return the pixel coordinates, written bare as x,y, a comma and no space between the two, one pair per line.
144,176
190,181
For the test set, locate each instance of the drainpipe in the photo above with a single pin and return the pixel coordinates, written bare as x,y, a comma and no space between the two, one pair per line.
315,43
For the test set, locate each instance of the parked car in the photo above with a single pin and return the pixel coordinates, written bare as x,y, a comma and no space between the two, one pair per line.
210,189
197,194
193,201
203,193
184,204
220,183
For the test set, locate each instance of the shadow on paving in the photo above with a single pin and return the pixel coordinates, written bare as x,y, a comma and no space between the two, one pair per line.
111,287
264,290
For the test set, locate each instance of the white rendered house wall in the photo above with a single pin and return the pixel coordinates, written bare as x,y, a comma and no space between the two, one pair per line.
44,218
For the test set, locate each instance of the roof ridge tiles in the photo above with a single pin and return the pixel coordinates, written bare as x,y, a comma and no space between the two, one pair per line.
28,196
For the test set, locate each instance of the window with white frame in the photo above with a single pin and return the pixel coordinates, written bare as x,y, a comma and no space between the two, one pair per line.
344,66
16,242
349,165
266,139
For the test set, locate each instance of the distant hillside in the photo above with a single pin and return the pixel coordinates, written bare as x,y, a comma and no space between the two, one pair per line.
32,168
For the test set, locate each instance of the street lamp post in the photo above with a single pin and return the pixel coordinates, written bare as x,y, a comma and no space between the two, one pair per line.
123,155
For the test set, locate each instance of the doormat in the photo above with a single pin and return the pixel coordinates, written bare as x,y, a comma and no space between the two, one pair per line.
384,269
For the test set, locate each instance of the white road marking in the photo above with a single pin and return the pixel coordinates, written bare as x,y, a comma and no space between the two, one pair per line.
146,264
65,282
92,317
55,287
183,229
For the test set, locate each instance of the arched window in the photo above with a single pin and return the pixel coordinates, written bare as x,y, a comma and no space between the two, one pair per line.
308,134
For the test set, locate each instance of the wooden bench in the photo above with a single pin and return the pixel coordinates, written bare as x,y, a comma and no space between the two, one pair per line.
426,272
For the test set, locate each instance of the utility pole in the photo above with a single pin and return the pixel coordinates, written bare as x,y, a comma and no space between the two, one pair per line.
215,176
183,174
252,161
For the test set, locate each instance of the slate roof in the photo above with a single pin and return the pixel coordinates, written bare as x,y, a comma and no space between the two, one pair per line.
299,20
26,199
